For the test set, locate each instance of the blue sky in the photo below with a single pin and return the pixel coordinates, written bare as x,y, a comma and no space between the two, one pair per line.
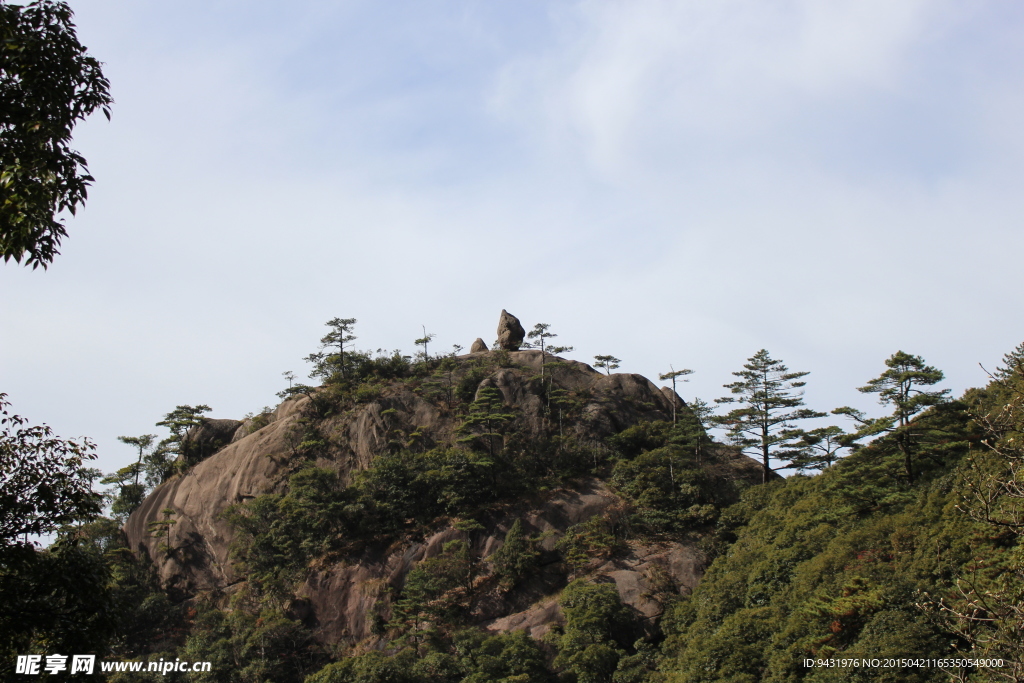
670,182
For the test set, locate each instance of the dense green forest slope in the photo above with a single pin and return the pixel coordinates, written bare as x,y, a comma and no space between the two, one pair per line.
510,516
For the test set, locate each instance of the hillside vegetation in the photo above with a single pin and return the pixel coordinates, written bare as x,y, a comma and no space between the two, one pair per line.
509,515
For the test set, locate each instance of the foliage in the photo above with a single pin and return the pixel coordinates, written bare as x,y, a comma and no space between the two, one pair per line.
769,405
47,84
326,365
1012,365
642,437
146,619
829,566
54,600
160,464
899,387
372,667
987,607
517,557
505,658
43,483
442,385
436,588
130,493
248,645
423,486
424,341
468,656
820,448
598,629
669,492
160,530
583,543
674,376
259,420
541,335
279,534
606,363
487,419
838,564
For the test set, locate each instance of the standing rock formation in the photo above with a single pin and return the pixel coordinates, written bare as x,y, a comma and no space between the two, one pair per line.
478,346
341,596
510,332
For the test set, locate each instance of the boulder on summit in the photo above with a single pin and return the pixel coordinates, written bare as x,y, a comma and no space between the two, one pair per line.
510,332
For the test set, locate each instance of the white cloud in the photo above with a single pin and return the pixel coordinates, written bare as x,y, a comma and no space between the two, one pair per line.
628,74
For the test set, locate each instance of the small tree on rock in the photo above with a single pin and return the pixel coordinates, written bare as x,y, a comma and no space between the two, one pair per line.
487,418
607,363
424,341
541,334
325,365
673,375
178,421
516,558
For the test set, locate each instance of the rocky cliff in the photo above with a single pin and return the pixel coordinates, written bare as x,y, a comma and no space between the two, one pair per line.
339,597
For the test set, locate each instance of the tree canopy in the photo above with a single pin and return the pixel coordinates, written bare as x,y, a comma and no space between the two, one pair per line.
769,399
48,83
902,387
43,481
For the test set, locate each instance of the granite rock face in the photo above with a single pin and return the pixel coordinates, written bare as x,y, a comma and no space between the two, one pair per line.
510,332
478,346
344,597
208,437
338,599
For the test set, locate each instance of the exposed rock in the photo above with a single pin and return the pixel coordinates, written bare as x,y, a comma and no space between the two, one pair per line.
343,598
645,578
340,599
478,346
200,537
673,397
537,621
208,437
510,332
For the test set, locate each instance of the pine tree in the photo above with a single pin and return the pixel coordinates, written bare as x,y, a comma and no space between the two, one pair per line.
487,412
143,443
516,558
326,364
987,608
1013,364
821,447
159,463
423,341
703,417
673,375
900,387
607,363
541,334
130,493
770,398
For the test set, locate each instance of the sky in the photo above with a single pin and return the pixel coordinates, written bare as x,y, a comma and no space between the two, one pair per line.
678,184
